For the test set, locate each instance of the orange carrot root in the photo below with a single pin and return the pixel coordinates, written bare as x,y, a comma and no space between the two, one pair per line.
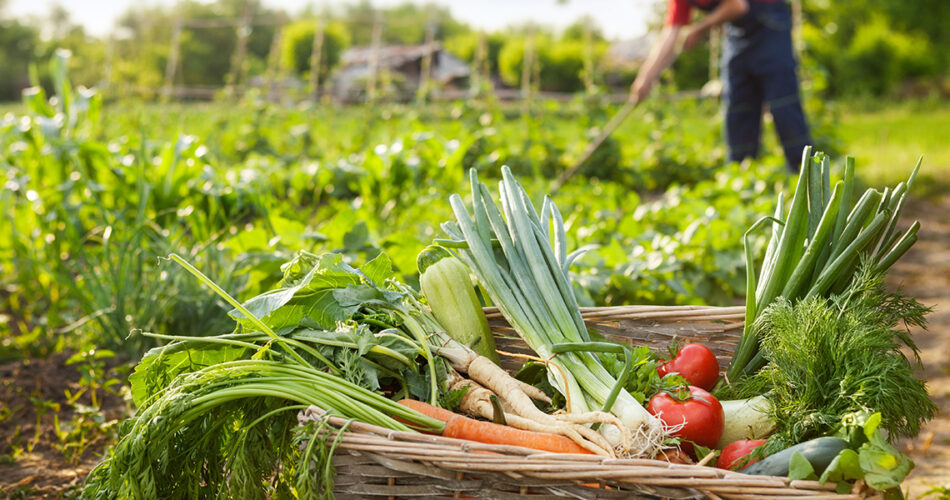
428,410
486,432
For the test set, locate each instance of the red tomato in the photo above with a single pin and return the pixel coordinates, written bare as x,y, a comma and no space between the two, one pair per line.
700,415
731,455
696,363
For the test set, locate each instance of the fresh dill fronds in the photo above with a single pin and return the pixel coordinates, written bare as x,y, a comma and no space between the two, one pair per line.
831,357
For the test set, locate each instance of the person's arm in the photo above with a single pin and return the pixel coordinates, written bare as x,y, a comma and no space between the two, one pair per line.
661,55
727,10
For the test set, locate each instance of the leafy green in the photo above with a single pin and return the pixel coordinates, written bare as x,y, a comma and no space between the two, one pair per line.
226,403
419,383
884,467
161,365
452,399
832,357
307,295
800,468
869,457
536,373
702,451
844,467
225,429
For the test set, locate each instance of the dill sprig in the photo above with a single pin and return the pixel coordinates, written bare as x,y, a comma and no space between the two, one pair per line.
828,357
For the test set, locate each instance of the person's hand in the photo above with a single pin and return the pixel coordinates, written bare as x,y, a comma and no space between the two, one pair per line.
640,90
695,36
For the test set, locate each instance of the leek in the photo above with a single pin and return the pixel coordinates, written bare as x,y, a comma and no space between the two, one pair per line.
527,279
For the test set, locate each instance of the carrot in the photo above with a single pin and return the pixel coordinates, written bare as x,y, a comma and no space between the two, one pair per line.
428,410
486,432
462,427
597,485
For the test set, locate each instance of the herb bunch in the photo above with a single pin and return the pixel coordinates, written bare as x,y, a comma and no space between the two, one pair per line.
840,355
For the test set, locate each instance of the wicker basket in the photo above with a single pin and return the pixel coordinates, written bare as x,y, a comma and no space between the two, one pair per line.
374,462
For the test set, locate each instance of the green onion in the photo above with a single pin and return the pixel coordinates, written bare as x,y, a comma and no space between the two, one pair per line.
145,452
816,248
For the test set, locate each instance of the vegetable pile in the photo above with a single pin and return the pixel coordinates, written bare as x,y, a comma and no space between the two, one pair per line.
823,346
818,386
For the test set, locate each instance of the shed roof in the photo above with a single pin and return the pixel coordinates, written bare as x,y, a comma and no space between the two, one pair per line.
390,56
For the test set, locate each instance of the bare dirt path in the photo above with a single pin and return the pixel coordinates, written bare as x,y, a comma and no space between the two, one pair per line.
924,273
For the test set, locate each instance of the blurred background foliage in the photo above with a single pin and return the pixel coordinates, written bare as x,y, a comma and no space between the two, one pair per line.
858,47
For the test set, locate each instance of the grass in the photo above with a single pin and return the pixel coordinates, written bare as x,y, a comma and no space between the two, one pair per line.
887,141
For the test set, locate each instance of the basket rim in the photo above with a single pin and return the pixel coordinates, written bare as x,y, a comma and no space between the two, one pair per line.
462,456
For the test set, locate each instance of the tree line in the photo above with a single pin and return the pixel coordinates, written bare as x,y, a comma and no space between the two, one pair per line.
855,47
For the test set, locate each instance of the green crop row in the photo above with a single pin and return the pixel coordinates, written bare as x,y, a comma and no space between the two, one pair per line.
94,195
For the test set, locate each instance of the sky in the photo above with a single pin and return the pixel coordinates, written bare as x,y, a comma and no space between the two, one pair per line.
619,19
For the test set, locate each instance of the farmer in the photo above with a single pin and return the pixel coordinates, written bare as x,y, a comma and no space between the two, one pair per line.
758,66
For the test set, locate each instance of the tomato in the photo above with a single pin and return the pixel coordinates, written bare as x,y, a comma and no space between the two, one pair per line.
696,363
732,455
699,413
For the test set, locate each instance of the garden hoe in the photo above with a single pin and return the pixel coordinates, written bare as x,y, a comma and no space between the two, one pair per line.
612,125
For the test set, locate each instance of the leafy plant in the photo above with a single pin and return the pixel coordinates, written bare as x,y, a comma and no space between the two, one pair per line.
942,492
94,194
828,358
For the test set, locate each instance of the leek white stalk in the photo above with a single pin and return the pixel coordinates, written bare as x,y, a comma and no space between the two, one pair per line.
745,419
527,280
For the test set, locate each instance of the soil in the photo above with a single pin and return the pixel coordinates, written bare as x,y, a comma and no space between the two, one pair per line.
33,465
924,273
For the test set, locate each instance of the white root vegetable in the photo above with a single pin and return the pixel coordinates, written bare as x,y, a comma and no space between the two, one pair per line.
745,419
615,435
477,402
532,391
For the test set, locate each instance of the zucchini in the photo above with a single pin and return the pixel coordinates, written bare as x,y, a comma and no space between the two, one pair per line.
819,452
448,289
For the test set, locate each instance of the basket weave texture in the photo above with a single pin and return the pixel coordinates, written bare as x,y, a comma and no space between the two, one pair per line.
374,462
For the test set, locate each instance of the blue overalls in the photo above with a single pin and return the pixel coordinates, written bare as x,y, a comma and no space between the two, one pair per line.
758,66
